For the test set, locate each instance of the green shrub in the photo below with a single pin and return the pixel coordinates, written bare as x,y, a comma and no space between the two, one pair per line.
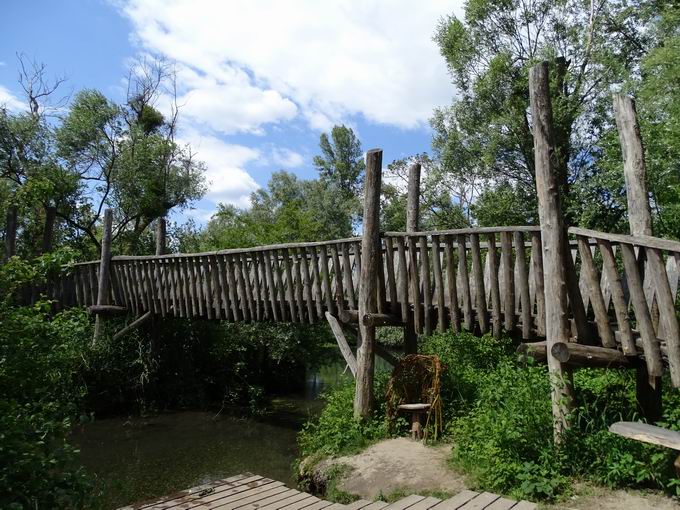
336,431
466,359
42,357
505,441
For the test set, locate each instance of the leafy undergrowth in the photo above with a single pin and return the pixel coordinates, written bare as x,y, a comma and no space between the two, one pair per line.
498,414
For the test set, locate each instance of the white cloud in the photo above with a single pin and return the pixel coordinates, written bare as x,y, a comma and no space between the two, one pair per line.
228,181
259,62
10,101
285,158
229,102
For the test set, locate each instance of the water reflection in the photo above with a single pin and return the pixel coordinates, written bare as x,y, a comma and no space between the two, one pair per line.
140,458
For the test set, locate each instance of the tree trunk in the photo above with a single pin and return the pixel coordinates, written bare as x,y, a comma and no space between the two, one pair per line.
161,236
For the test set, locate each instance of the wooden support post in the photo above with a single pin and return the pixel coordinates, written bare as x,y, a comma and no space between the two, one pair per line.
413,199
370,249
345,349
161,234
412,225
553,239
648,387
104,263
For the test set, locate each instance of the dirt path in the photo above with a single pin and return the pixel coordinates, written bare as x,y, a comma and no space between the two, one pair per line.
409,467
400,465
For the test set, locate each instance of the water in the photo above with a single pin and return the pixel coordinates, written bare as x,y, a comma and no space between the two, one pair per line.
140,458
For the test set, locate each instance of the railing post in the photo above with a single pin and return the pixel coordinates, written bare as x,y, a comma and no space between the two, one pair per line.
368,287
104,263
553,237
648,388
412,225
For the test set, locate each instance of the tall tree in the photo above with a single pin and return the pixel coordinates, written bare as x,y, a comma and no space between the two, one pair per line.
127,158
341,161
486,132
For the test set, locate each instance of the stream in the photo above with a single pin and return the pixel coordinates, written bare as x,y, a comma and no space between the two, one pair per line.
135,459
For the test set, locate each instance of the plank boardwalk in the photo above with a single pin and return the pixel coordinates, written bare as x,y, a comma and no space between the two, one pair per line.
253,492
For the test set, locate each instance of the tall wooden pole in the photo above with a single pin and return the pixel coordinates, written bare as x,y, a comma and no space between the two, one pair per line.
412,225
104,264
648,388
368,287
413,199
161,234
554,242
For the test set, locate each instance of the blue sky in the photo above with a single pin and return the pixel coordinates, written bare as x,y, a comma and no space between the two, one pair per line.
259,80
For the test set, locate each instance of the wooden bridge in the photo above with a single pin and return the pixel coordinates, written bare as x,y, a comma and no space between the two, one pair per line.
575,297
483,280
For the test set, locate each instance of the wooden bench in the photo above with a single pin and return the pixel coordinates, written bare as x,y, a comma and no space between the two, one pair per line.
649,434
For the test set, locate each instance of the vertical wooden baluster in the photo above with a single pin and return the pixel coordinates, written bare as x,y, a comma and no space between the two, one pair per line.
465,284
495,287
257,285
233,287
537,252
403,280
439,284
415,283
426,284
316,274
338,273
269,274
592,281
618,297
349,281
250,299
356,250
206,286
508,281
381,290
188,287
642,315
306,280
224,287
290,289
326,279
281,290
263,296
298,285
454,308
391,275
523,284
480,292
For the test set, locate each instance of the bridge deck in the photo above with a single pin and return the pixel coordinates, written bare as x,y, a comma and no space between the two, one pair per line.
252,492
623,294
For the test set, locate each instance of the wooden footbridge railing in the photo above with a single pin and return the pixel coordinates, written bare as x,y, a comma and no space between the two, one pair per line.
483,279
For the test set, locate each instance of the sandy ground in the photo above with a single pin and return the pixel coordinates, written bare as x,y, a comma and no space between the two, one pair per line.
412,468
400,464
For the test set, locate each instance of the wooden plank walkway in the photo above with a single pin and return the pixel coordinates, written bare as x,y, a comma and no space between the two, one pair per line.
253,492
